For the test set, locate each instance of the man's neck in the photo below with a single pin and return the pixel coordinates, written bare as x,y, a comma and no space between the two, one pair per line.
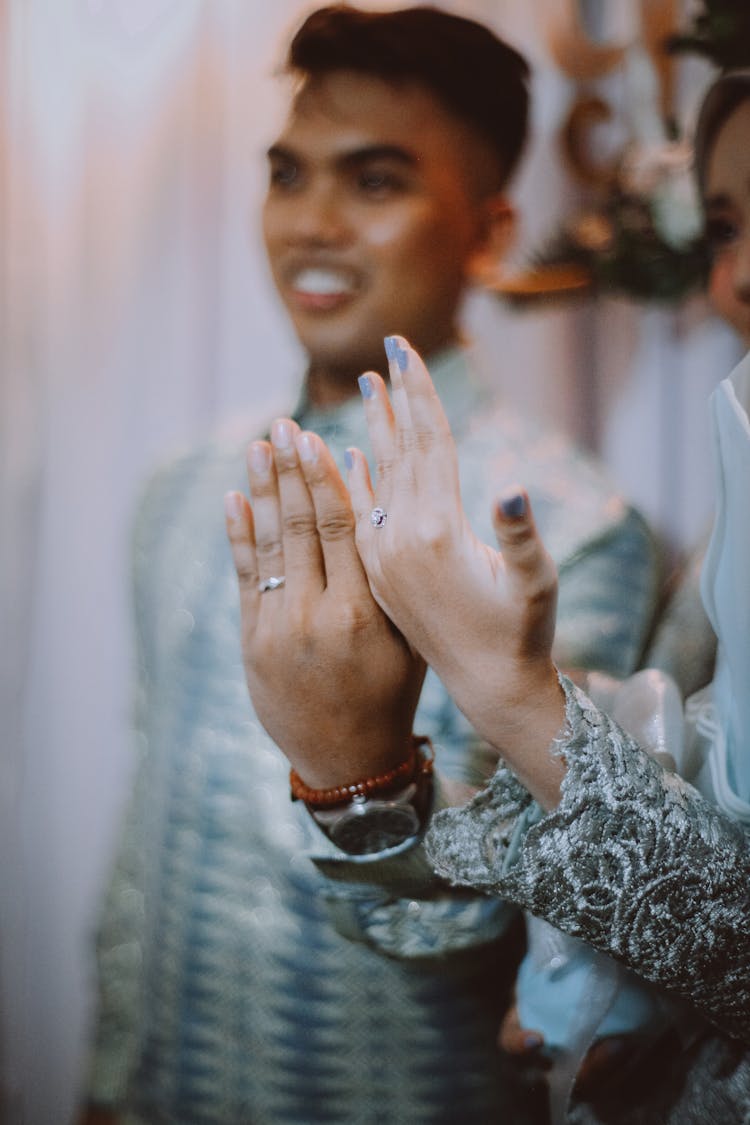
329,386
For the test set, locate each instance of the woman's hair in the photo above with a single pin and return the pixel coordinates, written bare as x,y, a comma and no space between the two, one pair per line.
472,72
720,102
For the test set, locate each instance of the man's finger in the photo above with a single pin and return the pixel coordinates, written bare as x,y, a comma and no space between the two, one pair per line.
261,475
333,514
239,522
303,559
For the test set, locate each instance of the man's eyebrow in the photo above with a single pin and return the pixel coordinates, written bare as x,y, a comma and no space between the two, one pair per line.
355,156
395,153
279,152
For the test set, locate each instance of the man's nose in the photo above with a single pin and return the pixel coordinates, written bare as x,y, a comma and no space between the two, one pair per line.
319,217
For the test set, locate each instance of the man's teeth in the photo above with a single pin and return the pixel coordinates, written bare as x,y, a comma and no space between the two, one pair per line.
322,283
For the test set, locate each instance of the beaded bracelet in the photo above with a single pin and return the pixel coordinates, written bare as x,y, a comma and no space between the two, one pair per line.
416,765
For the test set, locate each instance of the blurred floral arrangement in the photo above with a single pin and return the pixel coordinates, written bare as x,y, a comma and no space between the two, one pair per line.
644,238
720,32
641,234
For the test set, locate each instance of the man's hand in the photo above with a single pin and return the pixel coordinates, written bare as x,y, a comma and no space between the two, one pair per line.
333,682
483,619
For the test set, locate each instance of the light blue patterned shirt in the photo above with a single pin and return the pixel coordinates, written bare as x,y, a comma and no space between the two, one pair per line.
237,982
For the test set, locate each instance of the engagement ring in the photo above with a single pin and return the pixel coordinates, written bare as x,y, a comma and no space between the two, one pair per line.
271,583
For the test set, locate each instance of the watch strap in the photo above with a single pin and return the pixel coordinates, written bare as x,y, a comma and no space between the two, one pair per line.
404,870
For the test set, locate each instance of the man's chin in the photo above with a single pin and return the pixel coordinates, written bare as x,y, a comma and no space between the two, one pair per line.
344,360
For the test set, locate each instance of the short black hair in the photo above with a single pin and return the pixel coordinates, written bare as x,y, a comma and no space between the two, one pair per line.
475,75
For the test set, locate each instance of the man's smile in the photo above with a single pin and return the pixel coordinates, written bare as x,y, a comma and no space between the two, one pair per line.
321,287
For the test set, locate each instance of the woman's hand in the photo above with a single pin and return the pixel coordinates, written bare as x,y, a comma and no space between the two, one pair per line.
93,1115
332,681
603,1068
483,619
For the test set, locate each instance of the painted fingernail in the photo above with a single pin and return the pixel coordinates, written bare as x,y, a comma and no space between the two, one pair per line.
513,506
233,505
307,448
532,1040
281,434
365,386
394,351
349,459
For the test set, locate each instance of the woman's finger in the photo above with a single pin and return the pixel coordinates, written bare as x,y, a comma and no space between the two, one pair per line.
529,570
261,475
361,492
606,1064
303,558
239,523
381,426
517,1040
523,551
333,515
397,353
423,422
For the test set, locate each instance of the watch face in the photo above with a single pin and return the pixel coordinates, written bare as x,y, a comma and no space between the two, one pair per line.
375,829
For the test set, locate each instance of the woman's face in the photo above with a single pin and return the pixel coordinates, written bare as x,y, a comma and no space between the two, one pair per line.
727,209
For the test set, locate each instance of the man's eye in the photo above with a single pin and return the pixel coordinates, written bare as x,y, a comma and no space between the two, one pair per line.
284,175
379,182
720,233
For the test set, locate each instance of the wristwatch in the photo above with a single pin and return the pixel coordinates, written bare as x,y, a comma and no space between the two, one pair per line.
366,824
374,814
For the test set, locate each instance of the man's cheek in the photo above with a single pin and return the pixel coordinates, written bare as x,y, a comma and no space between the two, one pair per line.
397,230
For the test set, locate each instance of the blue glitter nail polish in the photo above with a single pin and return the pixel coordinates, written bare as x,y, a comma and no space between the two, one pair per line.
391,347
402,359
365,386
513,506
349,459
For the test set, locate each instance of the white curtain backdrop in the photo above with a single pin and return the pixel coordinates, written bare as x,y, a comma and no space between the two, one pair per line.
135,313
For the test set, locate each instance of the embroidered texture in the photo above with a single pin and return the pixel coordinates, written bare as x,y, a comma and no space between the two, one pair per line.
633,860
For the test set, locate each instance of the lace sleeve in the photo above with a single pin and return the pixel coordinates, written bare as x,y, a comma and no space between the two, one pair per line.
633,860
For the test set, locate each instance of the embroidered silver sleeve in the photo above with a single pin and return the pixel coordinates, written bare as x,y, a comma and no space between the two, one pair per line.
633,860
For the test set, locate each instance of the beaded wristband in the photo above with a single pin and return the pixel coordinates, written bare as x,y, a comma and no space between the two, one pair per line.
416,765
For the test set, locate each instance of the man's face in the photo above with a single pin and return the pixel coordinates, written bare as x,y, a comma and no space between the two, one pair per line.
727,205
370,220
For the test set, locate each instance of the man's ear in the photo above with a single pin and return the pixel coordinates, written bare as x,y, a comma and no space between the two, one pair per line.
498,232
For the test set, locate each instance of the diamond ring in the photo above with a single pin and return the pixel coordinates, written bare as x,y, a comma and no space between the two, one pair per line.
271,583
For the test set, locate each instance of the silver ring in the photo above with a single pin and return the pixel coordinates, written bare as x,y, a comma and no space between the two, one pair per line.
378,516
271,583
